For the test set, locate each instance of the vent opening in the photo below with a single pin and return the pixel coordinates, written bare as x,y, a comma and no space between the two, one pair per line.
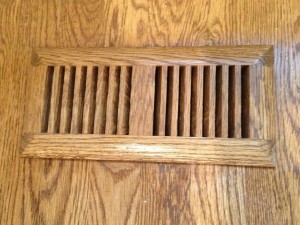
245,101
195,101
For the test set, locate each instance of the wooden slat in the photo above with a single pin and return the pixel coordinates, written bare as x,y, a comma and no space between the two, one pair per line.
55,103
212,101
255,120
38,88
124,101
156,55
101,101
172,101
224,123
77,111
262,103
142,100
246,152
197,101
112,100
67,98
161,101
185,101
209,101
89,101
268,102
237,99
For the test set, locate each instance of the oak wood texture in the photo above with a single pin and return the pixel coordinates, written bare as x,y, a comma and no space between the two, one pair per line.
122,90
142,100
155,55
48,192
250,152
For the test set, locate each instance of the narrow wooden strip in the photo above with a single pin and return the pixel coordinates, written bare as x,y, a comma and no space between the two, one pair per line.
156,55
254,97
112,100
101,101
185,102
46,93
89,100
55,103
222,151
37,101
172,101
238,102
124,101
67,99
212,99
160,100
225,79
142,100
79,91
197,101
267,102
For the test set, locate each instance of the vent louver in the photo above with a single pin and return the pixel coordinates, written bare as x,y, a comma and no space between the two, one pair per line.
215,103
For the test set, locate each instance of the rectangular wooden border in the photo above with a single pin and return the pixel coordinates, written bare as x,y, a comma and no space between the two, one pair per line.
220,151
257,54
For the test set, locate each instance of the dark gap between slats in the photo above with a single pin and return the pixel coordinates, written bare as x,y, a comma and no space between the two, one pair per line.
231,102
156,116
182,90
70,97
218,121
170,78
206,103
47,98
128,93
194,98
60,92
82,91
245,101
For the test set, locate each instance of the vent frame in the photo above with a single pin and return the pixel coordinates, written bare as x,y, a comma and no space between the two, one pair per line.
258,58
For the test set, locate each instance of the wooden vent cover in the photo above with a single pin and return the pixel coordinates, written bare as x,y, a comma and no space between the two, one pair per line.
181,104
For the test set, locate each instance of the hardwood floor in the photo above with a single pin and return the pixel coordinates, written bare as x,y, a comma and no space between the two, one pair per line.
83,192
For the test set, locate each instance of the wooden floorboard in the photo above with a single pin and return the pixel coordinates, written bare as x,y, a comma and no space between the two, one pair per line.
75,192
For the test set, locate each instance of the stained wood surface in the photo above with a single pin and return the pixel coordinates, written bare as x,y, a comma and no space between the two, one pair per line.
215,99
244,152
142,101
46,191
155,55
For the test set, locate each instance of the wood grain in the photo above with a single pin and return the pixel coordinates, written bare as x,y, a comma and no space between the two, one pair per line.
160,110
222,94
67,100
77,192
101,101
152,149
209,105
55,104
156,55
124,101
184,122
142,93
89,101
172,101
235,102
77,111
112,100
197,102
